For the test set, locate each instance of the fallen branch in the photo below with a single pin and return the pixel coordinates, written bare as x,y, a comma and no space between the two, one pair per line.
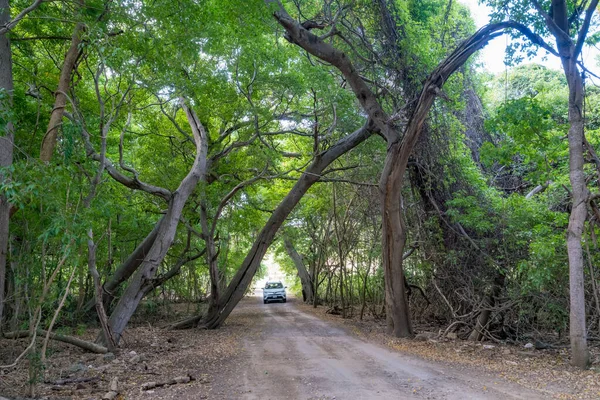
89,346
68,381
174,381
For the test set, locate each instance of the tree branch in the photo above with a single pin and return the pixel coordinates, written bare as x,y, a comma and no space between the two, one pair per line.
132,183
296,33
10,25
583,31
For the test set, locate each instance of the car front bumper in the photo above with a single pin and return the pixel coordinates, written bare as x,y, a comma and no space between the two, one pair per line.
274,297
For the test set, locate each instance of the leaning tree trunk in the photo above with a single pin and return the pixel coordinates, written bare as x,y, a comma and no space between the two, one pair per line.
49,141
242,279
126,269
305,278
6,144
137,288
478,333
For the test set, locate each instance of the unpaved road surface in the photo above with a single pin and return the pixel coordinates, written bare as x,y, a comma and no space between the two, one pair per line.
293,355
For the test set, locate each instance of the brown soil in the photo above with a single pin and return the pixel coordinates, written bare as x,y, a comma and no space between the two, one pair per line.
293,351
547,371
148,354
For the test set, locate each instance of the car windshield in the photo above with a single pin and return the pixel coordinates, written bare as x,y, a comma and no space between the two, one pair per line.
275,285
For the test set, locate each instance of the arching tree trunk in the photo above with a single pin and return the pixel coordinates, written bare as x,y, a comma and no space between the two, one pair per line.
400,146
137,288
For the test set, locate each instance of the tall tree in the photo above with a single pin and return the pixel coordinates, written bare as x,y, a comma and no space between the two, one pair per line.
400,142
60,102
6,142
568,23
6,130
164,238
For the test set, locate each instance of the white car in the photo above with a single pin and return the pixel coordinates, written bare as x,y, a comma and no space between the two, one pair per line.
274,290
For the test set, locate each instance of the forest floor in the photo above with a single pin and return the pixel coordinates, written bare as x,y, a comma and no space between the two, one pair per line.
292,351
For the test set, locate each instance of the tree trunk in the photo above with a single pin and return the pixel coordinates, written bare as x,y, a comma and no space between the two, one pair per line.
394,240
314,272
242,279
364,289
568,50
580,354
305,278
217,279
89,346
6,145
168,228
477,334
102,317
49,141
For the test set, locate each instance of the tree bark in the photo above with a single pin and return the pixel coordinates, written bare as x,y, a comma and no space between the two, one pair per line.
49,141
305,278
6,145
579,212
136,289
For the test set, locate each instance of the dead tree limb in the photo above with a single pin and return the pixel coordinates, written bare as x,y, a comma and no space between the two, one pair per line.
89,346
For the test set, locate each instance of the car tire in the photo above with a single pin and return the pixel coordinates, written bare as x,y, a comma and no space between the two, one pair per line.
265,302
284,300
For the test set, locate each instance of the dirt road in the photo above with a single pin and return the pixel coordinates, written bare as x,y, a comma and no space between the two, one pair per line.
293,355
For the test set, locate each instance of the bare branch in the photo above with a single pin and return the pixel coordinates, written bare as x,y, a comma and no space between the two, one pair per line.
10,25
556,30
132,183
228,197
583,31
296,33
